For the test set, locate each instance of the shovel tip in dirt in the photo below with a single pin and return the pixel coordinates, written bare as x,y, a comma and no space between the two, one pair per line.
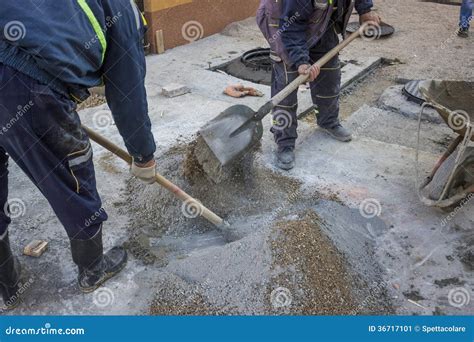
229,232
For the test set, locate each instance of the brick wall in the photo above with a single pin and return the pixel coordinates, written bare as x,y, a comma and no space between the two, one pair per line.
183,21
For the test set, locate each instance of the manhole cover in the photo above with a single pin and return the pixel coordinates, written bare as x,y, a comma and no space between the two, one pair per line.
385,29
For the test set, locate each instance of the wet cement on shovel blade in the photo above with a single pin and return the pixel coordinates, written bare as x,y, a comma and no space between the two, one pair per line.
208,162
283,236
200,153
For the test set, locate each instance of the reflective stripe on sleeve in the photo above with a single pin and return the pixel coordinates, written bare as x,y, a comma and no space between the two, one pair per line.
95,24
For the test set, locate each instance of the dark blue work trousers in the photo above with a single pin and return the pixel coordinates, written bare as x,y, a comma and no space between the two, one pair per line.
324,92
41,131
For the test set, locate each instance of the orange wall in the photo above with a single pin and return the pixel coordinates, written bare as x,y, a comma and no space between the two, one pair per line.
183,21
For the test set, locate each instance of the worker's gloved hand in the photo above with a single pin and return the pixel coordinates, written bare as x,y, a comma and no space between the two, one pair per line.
145,172
371,18
311,70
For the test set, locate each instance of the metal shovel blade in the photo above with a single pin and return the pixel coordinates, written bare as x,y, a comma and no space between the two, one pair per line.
232,133
236,130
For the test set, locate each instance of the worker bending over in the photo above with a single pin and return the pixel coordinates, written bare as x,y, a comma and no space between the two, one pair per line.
49,56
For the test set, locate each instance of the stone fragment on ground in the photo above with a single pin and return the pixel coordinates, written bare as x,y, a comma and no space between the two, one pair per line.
175,90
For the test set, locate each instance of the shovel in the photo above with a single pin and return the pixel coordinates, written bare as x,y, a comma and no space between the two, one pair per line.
194,206
236,130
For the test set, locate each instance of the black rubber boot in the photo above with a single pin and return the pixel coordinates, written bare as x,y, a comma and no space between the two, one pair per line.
285,157
9,275
95,267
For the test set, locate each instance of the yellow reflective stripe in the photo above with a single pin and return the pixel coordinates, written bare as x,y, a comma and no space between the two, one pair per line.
76,99
138,15
144,20
95,24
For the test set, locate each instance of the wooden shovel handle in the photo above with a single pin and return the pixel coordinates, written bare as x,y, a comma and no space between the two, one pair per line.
179,193
276,100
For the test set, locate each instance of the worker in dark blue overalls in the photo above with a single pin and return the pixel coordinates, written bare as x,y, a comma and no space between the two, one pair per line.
49,56
300,32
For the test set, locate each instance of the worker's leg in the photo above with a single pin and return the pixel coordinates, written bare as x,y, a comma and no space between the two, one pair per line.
43,135
4,217
285,123
9,267
466,14
326,88
9,275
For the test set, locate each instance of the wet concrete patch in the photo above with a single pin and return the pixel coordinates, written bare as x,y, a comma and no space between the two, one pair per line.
354,235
